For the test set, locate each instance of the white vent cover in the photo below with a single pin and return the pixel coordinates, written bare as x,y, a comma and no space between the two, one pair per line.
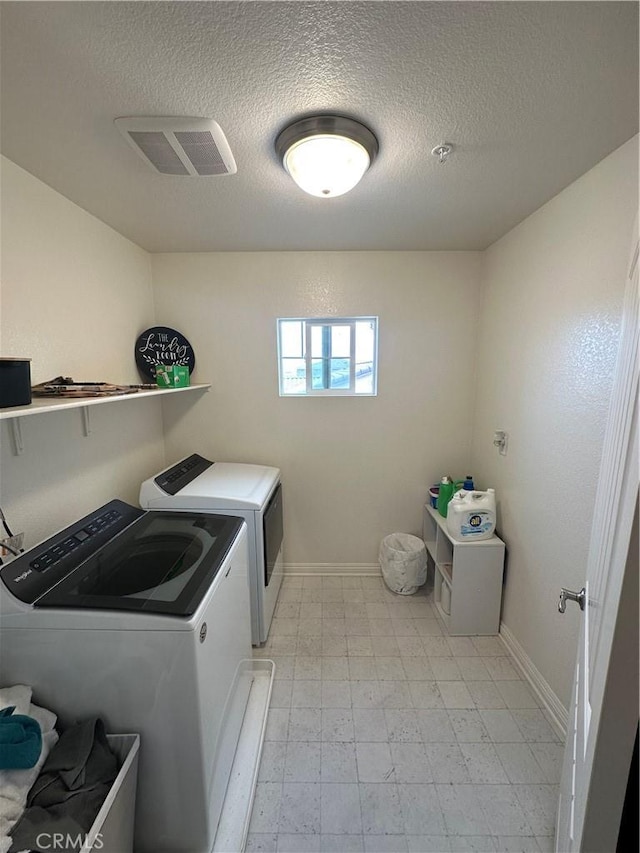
194,147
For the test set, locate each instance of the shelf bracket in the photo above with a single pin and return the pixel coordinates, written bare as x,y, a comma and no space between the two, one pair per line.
16,435
86,421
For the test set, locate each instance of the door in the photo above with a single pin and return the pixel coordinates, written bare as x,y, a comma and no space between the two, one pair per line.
615,505
273,532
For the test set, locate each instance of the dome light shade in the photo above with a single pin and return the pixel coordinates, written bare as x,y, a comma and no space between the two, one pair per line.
326,155
326,165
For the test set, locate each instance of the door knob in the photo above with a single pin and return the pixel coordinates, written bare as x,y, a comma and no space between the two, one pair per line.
567,595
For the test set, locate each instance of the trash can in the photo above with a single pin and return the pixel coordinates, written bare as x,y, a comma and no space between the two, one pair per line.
403,561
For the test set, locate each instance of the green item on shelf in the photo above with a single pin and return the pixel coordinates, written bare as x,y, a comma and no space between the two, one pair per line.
446,491
172,376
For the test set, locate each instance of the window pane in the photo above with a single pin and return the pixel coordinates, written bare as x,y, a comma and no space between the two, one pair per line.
341,341
291,338
293,379
365,349
317,374
364,381
316,341
339,373
365,341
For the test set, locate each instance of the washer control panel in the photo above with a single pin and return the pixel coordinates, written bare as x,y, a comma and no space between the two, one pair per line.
36,571
180,475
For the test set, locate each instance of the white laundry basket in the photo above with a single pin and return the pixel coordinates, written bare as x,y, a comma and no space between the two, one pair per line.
112,830
403,562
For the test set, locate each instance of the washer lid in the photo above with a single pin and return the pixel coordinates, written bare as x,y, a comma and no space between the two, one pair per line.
221,485
162,563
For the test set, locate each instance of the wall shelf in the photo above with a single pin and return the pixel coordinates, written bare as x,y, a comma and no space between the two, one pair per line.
44,405
41,405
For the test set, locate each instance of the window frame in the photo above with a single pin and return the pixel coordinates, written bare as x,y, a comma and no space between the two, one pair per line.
309,323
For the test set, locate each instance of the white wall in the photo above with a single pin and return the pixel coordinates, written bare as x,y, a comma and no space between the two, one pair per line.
552,294
354,469
75,295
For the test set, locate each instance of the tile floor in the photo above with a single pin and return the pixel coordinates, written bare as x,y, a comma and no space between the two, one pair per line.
385,734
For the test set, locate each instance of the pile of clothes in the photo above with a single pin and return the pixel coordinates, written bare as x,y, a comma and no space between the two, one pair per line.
49,783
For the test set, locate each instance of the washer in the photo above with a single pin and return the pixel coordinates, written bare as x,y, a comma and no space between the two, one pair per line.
251,492
142,619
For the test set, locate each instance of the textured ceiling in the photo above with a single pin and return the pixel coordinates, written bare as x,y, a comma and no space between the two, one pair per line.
532,95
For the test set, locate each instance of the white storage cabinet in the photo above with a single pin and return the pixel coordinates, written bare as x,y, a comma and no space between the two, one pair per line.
468,578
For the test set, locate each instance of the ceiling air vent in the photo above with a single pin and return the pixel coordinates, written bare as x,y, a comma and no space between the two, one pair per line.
194,147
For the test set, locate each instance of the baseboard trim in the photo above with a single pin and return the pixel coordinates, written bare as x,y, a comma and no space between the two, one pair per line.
366,569
557,713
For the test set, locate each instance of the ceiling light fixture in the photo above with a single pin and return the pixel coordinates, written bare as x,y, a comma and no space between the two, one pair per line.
326,155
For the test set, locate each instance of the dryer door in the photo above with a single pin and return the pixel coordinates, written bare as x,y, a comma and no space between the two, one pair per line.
273,533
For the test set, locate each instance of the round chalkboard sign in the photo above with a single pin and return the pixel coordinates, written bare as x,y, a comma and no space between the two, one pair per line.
162,346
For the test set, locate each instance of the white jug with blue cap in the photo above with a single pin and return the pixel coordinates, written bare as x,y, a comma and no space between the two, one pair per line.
471,515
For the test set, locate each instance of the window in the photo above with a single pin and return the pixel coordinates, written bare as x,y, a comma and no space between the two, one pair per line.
328,356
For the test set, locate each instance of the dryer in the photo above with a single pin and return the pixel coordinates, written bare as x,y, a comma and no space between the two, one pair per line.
142,619
251,492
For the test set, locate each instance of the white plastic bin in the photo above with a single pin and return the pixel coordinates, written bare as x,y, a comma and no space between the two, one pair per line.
403,562
112,830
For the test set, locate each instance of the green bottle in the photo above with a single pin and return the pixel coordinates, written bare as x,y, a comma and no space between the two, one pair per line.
445,493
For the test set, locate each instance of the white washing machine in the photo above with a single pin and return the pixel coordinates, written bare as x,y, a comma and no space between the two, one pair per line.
252,492
142,619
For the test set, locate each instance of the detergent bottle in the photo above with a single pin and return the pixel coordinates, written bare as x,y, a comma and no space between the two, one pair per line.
445,493
471,516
